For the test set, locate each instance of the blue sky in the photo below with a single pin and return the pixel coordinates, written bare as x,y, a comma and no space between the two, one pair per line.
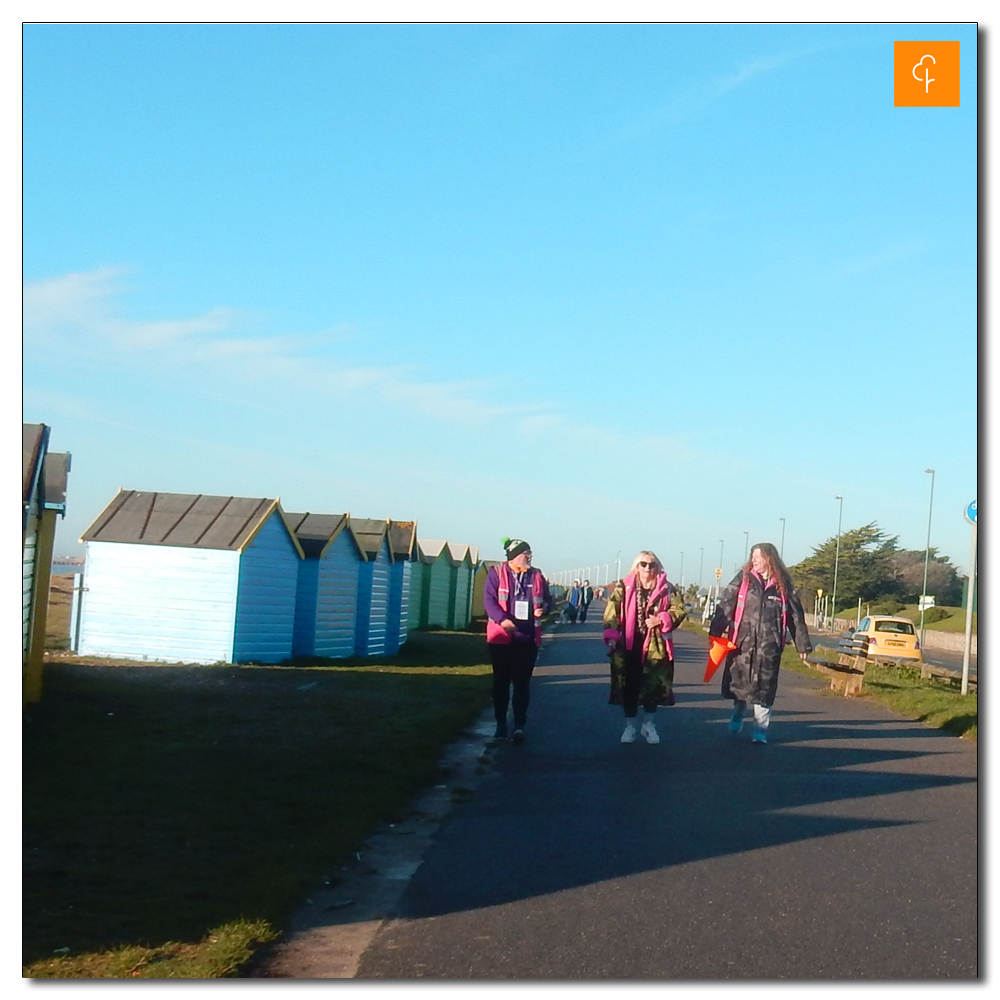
604,287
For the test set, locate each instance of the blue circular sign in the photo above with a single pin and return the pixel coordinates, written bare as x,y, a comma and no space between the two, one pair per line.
970,513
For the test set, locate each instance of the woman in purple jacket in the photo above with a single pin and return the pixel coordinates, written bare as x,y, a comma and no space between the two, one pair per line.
516,598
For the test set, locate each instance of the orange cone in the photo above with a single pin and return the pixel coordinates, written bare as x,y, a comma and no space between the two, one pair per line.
718,650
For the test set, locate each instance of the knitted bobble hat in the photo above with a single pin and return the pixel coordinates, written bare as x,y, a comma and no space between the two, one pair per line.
514,547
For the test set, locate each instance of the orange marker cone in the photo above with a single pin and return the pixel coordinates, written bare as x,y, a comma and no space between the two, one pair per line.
718,650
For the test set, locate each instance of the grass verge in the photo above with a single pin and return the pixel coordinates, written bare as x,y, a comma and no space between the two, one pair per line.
933,701
174,816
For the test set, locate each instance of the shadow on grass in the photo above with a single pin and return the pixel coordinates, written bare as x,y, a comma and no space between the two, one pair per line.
163,801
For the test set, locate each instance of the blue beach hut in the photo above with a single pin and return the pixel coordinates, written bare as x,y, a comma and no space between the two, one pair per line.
176,577
403,547
371,621
326,601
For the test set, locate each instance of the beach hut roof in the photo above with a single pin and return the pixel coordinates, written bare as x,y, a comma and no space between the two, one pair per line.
431,548
55,475
460,551
34,438
403,539
315,532
368,533
183,519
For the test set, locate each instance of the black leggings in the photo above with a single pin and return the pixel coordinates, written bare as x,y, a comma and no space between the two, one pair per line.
633,682
513,664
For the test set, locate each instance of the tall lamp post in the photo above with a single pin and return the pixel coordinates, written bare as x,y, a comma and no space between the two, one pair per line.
781,550
701,565
836,561
682,572
927,559
746,546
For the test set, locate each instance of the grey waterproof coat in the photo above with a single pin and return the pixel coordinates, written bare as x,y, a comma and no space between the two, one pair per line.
751,672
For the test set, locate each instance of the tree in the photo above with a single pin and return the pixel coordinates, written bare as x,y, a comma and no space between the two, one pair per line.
865,567
943,580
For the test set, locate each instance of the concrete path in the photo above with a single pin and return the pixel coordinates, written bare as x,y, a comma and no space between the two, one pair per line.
845,848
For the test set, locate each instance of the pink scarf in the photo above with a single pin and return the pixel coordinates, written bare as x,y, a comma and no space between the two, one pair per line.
659,595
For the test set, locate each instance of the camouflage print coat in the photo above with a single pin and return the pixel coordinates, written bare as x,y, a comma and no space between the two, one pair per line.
751,672
620,628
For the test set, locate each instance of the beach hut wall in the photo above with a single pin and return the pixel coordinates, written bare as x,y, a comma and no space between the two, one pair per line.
479,586
463,559
327,595
415,602
189,578
43,494
371,620
402,545
435,584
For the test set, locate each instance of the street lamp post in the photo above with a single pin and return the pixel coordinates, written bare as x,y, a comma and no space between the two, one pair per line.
682,571
701,565
836,561
746,546
927,559
781,550
618,565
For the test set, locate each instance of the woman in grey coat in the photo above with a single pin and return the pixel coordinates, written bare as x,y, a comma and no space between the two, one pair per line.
757,611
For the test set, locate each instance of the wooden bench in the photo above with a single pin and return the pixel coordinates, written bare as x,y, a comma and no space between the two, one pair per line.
928,670
847,674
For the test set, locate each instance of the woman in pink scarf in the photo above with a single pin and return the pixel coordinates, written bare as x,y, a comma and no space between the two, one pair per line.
641,612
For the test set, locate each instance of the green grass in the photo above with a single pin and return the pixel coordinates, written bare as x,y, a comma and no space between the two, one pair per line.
956,623
937,702
175,816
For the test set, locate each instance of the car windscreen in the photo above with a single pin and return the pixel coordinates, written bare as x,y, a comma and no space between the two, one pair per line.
904,627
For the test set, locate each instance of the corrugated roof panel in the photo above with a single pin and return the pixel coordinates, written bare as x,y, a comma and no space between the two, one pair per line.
369,533
182,519
314,531
402,538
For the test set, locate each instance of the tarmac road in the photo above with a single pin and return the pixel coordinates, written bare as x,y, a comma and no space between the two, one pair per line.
845,848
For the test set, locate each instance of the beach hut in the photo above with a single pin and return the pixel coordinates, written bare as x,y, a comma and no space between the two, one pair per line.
463,559
43,495
326,600
479,585
403,546
435,583
177,577
371,620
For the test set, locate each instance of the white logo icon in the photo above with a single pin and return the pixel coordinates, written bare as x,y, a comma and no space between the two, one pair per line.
926,79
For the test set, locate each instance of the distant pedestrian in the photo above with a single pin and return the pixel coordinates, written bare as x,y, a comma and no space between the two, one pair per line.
586,596
516,598
641,612
573,601
757,610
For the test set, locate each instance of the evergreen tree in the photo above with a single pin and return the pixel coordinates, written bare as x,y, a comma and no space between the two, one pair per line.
865,568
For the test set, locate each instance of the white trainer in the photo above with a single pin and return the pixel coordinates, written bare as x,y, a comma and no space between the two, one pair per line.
649,732
628,736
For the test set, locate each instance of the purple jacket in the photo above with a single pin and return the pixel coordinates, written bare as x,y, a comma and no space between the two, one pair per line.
524,631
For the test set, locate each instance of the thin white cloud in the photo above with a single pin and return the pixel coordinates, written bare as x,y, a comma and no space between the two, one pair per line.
80,312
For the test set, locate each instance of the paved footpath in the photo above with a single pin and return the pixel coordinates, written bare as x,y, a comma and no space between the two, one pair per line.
845,848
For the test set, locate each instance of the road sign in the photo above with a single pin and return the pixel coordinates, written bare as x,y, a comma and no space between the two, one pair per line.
970,513
718,572
926,601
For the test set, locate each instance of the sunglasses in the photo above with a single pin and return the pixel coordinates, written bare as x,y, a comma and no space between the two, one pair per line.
648,565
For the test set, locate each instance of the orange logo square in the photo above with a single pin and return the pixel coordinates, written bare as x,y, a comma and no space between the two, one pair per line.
926,74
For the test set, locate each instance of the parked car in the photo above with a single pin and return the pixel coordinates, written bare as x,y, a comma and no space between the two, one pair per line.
889,637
